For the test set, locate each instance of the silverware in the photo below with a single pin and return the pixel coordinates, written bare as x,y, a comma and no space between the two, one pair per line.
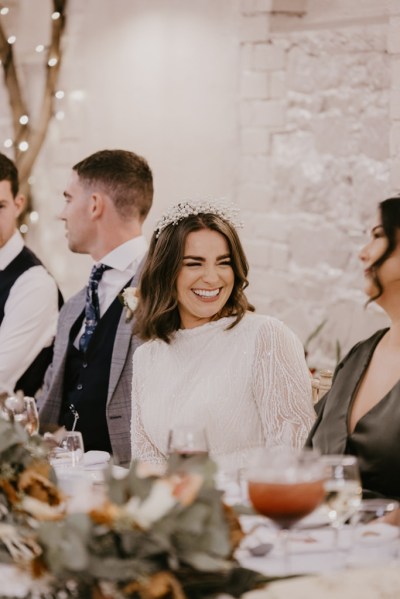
260,550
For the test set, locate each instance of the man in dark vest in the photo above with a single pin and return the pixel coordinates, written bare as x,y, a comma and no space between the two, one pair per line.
28,297
88,385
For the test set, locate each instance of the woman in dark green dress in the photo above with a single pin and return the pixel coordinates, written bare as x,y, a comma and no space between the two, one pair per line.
360,415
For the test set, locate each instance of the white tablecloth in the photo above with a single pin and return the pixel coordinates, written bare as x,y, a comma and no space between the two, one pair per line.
312,550
374,583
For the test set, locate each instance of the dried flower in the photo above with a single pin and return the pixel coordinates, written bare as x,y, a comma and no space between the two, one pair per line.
39,487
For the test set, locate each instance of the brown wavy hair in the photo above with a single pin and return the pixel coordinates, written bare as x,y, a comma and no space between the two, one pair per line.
157,314
390,217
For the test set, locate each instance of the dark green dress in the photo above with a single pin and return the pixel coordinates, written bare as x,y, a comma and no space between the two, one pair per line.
376,437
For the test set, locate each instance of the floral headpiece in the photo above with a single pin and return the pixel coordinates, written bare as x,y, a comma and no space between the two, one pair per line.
183,210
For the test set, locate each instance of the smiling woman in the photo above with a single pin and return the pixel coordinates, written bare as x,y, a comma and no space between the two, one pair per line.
209,362
206,279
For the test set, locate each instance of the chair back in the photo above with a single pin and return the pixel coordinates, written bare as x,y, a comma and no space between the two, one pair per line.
321,384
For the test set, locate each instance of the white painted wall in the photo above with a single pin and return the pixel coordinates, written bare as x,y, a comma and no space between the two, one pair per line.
156,77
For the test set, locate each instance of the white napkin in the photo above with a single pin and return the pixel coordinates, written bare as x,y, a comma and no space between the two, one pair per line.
95,459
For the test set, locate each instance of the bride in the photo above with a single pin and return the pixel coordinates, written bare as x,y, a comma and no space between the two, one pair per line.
208,360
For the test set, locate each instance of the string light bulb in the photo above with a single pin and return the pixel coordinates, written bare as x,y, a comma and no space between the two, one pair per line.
52,61
56,15
59,94
11,39
34,216
39,48
23,146
8,143
4,10
24,228
24,119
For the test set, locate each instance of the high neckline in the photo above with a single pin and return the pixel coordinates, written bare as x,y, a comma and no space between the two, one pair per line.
203,328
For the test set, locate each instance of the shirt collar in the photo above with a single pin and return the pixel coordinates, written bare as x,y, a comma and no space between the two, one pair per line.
11,249
127,253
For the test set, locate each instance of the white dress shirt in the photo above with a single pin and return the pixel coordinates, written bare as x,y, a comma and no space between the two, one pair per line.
30,316
124,261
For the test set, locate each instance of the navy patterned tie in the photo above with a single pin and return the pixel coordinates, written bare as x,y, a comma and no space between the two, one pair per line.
92,307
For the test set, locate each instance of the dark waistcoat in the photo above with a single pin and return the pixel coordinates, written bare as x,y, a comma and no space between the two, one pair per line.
32,378
86,380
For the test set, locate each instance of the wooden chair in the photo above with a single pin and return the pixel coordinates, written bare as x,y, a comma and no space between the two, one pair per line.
321,384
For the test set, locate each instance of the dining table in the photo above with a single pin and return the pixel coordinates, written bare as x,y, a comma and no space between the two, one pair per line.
364,563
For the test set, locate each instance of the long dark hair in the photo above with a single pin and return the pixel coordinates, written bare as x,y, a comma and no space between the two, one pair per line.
157,314
390,217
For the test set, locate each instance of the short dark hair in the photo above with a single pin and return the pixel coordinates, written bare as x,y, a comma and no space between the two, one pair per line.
125,176
157,315
390,217
9,172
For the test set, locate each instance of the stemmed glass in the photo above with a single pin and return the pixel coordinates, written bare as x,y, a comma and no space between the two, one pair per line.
375,532
21,409
285,486
68,455
343,491
187,441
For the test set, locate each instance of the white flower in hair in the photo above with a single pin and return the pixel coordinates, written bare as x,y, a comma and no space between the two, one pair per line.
183,210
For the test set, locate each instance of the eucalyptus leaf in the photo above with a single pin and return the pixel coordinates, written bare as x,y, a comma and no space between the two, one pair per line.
143,545
11,435
195,464
206,562
121,490
193,519
66,543
120,569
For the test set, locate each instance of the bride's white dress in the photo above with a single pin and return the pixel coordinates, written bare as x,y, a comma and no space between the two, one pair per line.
248,386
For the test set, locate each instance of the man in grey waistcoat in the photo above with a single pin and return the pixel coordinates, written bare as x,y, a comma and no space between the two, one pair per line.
88,385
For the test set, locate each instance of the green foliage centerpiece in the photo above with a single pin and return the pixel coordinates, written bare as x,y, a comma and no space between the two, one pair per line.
155,536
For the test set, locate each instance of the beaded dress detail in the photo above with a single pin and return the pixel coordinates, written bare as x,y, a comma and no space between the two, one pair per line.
249,386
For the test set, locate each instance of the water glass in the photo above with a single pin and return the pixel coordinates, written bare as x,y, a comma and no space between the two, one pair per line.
375,533
343,487
69,453
21,409
187,441
343,492
233,485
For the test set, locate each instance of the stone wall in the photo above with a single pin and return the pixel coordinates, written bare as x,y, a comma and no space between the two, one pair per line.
319,110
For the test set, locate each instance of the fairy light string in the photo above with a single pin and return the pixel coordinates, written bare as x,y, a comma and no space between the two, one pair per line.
28,136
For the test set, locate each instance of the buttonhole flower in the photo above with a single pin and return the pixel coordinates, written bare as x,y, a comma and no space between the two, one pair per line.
129,299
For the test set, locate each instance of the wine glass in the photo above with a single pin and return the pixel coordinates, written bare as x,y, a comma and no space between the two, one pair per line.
187,441
285,486
68,455
343,491
375,532
22,409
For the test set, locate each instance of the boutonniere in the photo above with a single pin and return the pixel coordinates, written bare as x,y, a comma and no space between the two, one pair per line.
129,299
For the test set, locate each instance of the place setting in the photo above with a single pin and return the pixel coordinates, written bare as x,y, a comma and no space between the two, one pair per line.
301,512
311,517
